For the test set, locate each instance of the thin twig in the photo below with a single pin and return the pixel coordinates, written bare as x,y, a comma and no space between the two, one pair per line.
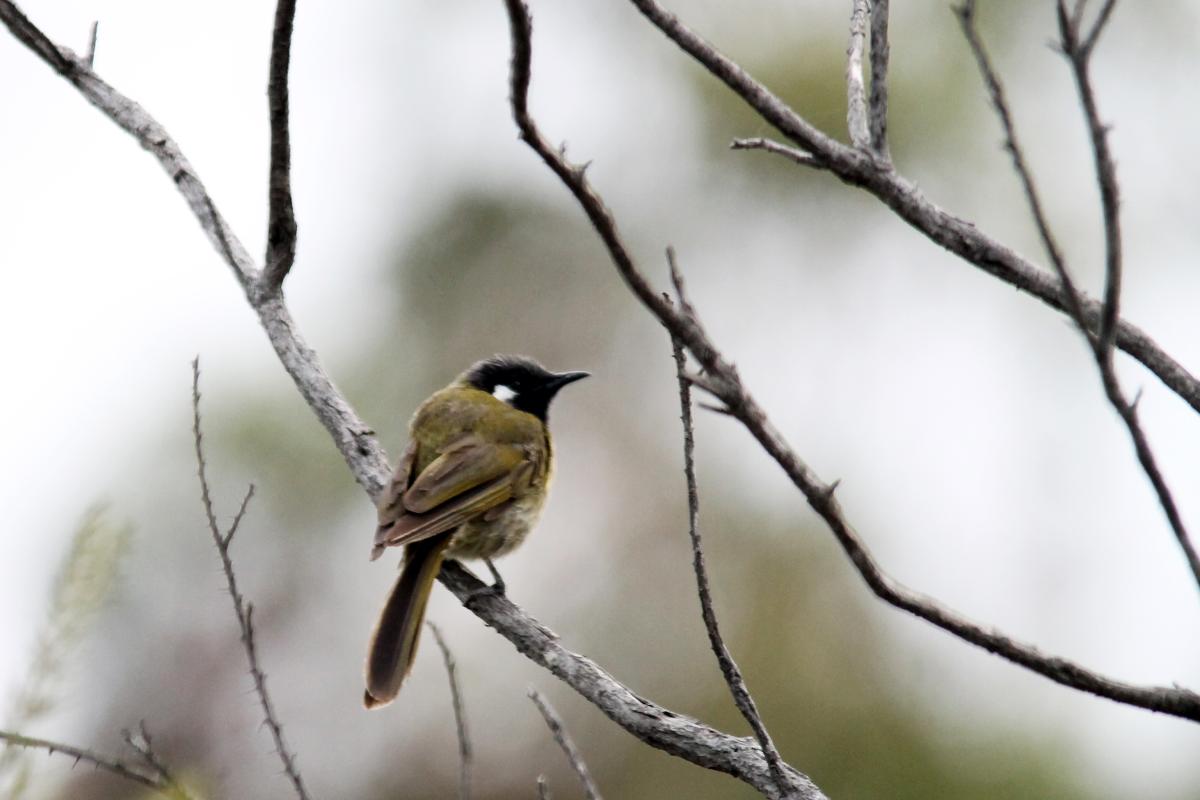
543,788
722,375
1079,55
1101,342
143,746
243,610
559,732
880,50
1072,302
729,668
241,513
281,227
769,145
856,93
89,57
106,763
460,714
1089,42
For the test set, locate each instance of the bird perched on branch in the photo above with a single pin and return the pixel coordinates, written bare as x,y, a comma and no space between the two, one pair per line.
470,484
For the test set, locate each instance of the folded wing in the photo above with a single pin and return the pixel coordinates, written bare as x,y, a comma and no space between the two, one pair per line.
470,477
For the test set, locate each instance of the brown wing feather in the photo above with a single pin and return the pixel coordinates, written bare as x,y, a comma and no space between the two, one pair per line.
469,478
465,464
389,503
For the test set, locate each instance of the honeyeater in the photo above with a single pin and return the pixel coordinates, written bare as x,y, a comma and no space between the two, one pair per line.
470,484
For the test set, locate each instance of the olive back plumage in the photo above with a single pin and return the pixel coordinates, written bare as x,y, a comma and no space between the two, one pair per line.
470,484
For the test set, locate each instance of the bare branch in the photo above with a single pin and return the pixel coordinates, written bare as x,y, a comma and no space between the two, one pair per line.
880,50
729,668
281,229
243,610
559,732
721,374
353,438
1098,26
106,763
1078,54
856,94
460,714
966,18
758,143
654,725
960,237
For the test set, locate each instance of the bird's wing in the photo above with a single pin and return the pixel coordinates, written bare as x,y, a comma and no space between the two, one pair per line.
393,495
470,477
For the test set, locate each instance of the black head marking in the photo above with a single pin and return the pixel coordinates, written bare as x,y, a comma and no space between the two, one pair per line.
519,381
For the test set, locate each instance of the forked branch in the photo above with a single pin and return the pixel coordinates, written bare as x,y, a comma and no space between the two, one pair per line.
1100,341
729,668
242,610
722,381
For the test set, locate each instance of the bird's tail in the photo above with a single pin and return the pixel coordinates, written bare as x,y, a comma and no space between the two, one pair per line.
394,641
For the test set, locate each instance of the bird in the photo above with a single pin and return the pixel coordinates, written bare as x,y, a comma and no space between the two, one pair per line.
470,484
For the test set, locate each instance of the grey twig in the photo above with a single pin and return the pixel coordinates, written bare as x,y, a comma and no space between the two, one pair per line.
966,18
543,788
106,763
90,57
654,725
242,610
861,169
856,93
559,732
1100,342
281,227
460,714
880,50
142,745
729,668
1079,54
769,145
728,388
1089,42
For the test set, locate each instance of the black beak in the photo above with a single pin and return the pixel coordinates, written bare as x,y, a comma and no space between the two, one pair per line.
562,379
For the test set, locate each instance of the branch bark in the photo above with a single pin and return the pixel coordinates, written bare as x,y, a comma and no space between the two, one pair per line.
722,381
654,725
856,168
1100,342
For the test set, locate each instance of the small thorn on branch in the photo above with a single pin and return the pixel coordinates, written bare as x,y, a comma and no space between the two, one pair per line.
717,409
90,57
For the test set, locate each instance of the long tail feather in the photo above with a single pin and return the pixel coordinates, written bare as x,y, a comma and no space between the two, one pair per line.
394,641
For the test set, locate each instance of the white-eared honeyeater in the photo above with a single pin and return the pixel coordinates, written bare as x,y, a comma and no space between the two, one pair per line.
470,484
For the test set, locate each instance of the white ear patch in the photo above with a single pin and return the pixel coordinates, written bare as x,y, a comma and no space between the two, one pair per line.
503,393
